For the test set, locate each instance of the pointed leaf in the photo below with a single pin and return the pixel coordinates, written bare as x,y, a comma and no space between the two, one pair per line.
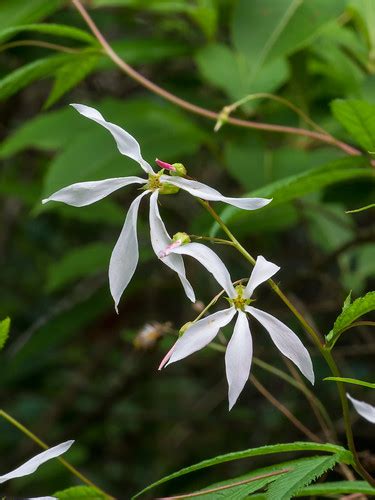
358,118
49,29
349,314
4,331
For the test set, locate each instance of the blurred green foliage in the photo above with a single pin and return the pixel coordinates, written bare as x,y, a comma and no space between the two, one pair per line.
70,369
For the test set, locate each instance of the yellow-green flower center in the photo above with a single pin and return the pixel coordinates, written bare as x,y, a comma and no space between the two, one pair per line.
239,301
154,183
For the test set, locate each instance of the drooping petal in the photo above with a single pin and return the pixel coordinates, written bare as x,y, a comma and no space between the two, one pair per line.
124,258
160,239
286,341
207,193
210,261
200,334
86,193
32,465
126,143
366,410
238,357
262,271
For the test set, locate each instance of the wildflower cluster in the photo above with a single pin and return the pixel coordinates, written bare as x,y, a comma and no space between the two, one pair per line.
124,259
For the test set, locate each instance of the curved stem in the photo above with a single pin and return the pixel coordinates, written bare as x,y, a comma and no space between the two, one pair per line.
198,110
315,336
39,43
43,445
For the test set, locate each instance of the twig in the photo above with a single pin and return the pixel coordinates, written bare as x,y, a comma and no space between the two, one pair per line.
198,110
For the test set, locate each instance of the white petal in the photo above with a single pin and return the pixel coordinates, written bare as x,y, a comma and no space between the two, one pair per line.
200,334
32,465
286,341
366,410
86,193
211,262
160,239
124,258
126,143
263,270
207,193
238,357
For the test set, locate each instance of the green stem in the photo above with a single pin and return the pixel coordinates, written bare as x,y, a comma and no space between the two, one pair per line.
317,339
43,445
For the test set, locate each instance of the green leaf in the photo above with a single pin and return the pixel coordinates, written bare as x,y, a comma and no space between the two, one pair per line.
79,262
358,308
289,484
15,12
358,118
337,488
21,77
295,186
216,61
354,381
71,73
49,29
4,331
79,493
47,132
342,454
264,30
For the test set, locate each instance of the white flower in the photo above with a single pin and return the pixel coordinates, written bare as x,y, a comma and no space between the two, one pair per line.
239,350
125,254
366,410
32,465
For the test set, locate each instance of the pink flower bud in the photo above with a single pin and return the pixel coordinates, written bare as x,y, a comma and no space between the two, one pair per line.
163,164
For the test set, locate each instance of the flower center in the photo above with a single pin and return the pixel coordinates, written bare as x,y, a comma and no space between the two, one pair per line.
239,301
154,182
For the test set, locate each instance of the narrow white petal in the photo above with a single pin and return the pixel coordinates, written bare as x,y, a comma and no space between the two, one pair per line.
207,193
210,261
124,258
262,271
32,465
200,334
366,410
160,239
126,143
238,357
86,193
286,341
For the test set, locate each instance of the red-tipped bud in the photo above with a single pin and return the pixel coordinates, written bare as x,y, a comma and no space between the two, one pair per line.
166,166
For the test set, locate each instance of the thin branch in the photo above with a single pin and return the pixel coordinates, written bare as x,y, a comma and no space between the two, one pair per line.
284,410
193,108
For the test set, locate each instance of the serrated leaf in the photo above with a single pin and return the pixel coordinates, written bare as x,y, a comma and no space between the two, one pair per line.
79,262
36,70
341,453
296,186
358,308
289,484
70,74
354,381
337,488
15,12
60,30
79,493
358,118
4,331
